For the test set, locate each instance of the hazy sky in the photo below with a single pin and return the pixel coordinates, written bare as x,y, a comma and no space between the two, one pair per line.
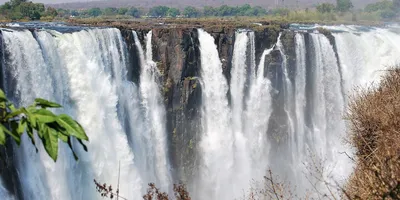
50,1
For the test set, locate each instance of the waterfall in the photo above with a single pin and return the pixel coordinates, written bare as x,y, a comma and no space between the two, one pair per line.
257,117
297,92
27,65
236,153
300,148
238,81
360,62
216,144
84,71
152,102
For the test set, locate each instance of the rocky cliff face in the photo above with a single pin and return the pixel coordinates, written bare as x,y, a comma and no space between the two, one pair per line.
176,52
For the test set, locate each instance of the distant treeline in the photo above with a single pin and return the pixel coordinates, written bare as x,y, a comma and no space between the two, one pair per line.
164,11
22,9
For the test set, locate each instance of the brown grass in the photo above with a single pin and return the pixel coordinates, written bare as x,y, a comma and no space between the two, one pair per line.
374,117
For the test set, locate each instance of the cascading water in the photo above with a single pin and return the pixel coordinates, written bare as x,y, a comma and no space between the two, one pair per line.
237,151
257,116
238,80
86,71
216,145
90,94
152,102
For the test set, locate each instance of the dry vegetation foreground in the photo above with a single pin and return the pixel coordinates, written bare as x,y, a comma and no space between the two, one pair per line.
374,116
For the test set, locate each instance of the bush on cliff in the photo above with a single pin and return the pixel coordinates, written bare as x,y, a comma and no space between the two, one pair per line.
374,117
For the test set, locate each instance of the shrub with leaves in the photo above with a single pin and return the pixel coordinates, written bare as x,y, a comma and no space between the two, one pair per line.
36,119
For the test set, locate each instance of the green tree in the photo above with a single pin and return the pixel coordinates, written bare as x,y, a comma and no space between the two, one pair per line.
388,14
383,5
37,119
396,4
159,11
226,10
15,3
134,12
173,12
94,12
259,11
51,12
31,10
191,12
75,13
122,11
325,8
209,11
244,10
344,5
110,11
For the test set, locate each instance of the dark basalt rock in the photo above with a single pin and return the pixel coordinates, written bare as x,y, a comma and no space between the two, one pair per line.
176,52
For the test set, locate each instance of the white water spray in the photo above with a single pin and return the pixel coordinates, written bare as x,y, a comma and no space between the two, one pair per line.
155,120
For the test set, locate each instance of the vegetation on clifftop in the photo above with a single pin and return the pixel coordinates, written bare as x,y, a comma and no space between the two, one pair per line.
341,12
26,10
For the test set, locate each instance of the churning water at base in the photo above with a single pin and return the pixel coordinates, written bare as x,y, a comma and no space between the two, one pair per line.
86,71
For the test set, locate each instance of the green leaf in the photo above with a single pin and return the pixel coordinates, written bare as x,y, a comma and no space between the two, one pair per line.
31,118
44,116
14,113
72,127
50,142
2,96
63,137
46,104
29,131
11,106
21,126
16,137
2,136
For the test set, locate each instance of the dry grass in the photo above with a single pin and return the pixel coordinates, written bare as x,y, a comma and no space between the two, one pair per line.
374,117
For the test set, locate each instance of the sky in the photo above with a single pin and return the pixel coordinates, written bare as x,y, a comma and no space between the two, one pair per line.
49,1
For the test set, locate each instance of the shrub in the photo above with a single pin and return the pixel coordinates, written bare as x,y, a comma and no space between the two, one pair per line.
374,117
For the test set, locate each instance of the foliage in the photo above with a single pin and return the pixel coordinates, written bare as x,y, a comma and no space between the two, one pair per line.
122,11
225,10
134,12
51,12
31,10
280,11
173,12
344,5
22,9
94,12
386,9
325,8
106,191
37,119
383,5
396,5
191,12
209,11
158,11
110,11
375,134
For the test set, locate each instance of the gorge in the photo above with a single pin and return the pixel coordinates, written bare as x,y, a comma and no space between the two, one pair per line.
211,108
